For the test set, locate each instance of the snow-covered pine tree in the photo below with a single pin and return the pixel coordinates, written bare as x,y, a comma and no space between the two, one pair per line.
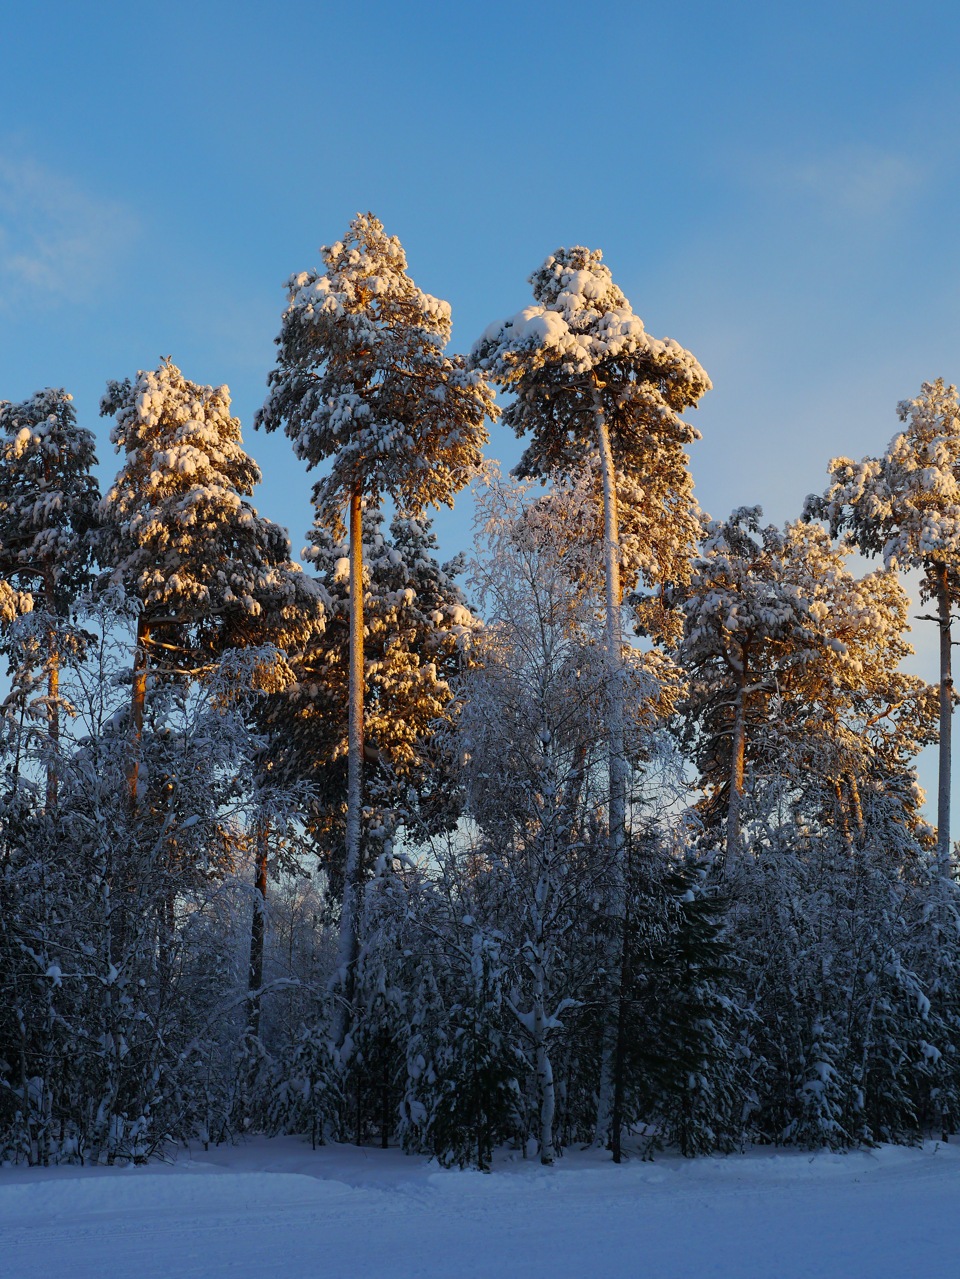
181,536
362,381
49,500
595,390
905,506
741,614
791,657
416,632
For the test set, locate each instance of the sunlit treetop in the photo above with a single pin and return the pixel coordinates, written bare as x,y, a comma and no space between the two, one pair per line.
581,349
362,381
582,334
905,505
48,496
179,530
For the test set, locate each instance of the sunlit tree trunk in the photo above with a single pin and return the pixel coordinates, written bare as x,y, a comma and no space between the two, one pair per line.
738,752
349,937
856,807
616,763
946,721
138,701
53,689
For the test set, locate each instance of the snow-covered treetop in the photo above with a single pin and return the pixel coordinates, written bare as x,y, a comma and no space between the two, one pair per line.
779,612
744,592
905,505
582,335
784,604
48,495
581,348
362,380
179,532
581,320
789,592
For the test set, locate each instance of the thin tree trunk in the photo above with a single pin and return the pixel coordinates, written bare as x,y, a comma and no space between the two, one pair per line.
258,930
138,701
946,723
543,1063
841,818
856,806
620,1058
738,751
616,757
349,916
385,1101
53,689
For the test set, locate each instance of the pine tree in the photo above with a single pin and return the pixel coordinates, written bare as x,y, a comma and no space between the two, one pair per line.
181,537
905,507
362,380
595,391
48,507
417,629
793,663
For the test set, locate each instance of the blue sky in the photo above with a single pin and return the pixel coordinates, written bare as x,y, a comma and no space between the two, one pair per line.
773,185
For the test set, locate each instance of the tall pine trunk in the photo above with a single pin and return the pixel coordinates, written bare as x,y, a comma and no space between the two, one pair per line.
349,946
53,688
620,1058
856,807
946,722
738,751
138,700
616,766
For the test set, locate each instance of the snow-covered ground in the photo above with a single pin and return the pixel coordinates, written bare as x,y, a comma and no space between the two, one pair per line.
278,1208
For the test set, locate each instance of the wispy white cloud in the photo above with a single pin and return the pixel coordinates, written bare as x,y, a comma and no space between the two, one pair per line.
859,185
58,241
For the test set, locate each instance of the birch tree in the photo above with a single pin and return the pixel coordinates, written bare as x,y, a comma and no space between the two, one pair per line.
594,390
531,734
905,506
362,382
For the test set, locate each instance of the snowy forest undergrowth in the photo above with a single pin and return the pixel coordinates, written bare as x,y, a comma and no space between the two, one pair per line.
609,838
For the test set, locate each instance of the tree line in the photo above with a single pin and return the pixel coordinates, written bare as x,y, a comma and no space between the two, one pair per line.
608,834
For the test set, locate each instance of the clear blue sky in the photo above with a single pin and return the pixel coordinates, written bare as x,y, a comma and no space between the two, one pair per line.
773,185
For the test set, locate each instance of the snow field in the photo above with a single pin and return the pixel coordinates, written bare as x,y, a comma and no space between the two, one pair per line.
279,1208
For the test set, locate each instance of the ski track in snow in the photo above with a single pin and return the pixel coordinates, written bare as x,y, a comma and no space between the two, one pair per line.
278,1208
